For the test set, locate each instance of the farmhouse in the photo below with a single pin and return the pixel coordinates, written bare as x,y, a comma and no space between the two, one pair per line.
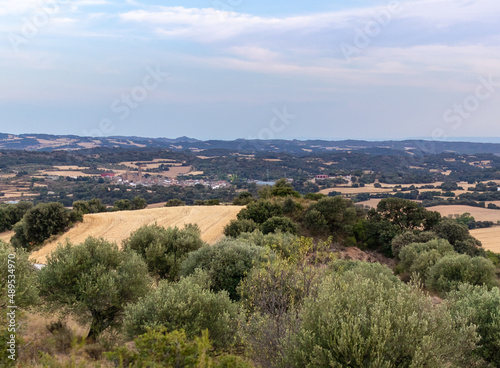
108,175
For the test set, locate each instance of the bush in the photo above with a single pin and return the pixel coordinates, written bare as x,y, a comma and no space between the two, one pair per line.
11,214
270,295
451,230
276,287
26,295
420,257
92,206
260,211
26,292
175,203
237,227
226,263
286,245
93,281
409,237
243,199
188,304
480,306
373,271
283,188
279,223
335,215
40,223
164,249
453,269
314,196
160,348
357,321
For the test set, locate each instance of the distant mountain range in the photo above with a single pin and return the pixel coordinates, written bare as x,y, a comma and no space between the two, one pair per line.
46,142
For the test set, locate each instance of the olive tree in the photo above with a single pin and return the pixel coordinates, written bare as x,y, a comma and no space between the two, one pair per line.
480,306
226,263
358,321
93,281
164,249
188,304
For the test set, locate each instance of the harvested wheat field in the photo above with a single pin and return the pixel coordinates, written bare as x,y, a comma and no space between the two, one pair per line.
479,214
5,236
117,226
490,238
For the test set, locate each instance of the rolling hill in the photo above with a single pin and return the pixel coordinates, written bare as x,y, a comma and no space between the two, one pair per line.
117,226
47,142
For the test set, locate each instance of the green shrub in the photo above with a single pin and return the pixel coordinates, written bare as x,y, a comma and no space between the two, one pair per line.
334,215
373,271
481,307
92,206
410,237
420,257
26,295
175,203
164,249
285,245
271,294
226,263
159,348
40,223
279,223
237,227
357,321
93,281
314,196
276,287
11,214
453,269
260,211
283,188
26,291
451,230
243,199
188,304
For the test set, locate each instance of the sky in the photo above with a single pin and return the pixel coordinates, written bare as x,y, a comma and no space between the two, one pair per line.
255,69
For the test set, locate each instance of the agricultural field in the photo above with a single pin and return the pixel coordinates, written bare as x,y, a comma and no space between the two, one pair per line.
117,226
479,214
490,238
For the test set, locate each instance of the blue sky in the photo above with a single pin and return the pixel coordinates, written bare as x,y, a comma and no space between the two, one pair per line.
226,69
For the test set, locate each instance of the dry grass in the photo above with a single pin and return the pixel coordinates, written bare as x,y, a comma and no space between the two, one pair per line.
5,236
175,171
117,226
65,173
64,343
371,202
480,214
70,168
490,238
369,188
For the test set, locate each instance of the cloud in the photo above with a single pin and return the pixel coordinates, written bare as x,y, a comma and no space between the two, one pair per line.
210,25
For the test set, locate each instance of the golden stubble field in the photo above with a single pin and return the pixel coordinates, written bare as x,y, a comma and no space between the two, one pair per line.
117,226
490,238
